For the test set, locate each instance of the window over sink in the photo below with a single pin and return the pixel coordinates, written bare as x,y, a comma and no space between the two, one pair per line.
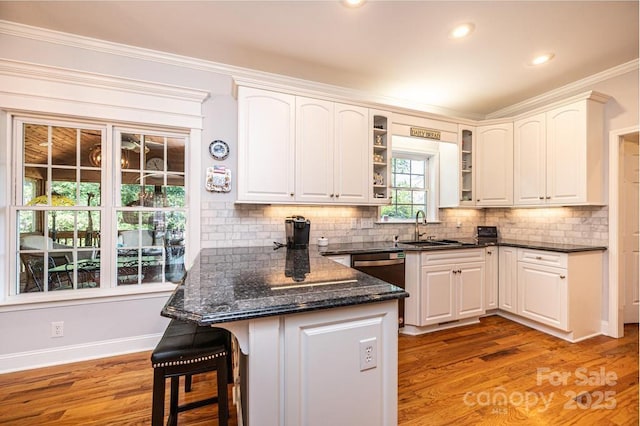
414,180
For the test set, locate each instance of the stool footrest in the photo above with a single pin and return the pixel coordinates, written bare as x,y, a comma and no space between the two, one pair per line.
197,404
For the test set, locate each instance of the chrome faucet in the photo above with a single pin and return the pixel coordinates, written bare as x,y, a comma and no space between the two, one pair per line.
424,220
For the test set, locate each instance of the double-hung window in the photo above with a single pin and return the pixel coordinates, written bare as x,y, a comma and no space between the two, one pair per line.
414,180
409,186
96,206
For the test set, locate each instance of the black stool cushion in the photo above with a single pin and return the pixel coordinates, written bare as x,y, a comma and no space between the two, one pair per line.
185,343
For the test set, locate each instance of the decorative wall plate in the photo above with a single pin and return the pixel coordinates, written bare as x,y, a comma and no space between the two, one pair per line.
218,179
219,149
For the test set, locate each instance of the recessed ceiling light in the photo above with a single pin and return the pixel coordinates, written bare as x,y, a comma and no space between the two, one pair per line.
353,3
462,30
542,59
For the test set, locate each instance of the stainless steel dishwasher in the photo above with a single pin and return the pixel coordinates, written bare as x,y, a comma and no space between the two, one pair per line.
387,266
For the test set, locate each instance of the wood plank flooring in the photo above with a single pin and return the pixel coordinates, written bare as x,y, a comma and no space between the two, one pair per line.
495,373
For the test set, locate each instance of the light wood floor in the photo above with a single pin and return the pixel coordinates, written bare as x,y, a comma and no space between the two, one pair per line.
480,374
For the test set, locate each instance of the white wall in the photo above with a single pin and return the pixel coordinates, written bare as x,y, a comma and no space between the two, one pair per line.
102,328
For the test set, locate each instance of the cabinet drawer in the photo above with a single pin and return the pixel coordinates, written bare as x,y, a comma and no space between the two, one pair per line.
539,257
452,256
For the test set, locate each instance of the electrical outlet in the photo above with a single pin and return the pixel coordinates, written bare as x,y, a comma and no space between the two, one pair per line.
368,353
354,223
367,222
57,329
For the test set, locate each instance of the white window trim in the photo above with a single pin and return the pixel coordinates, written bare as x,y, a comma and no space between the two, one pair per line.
75,95
424,150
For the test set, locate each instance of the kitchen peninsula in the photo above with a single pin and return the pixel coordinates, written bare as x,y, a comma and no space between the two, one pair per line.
320,339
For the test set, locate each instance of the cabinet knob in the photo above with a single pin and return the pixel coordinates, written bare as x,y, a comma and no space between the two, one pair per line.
539,257
489,253
337,195
562,277
478,200
292,194
542,198
332,195
548,197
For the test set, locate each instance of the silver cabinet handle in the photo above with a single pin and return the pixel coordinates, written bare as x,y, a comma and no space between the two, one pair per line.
357,263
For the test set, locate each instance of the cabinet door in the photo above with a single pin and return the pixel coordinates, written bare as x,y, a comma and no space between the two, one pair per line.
491,278
314,150
494,165
470,289
542,294
353,159
507,279
266,131
529,161
567,154
437,294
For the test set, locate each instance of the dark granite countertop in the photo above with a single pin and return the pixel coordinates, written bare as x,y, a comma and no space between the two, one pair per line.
232,284
386,246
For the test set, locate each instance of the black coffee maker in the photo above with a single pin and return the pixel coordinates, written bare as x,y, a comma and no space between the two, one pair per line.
297,231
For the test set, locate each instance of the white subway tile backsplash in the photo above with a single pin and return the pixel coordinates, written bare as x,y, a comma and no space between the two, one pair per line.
237,225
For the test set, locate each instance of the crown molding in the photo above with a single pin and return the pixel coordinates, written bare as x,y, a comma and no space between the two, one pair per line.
245,75
565,91
22,69
255,78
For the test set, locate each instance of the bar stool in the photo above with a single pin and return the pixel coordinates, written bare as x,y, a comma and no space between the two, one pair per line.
186,349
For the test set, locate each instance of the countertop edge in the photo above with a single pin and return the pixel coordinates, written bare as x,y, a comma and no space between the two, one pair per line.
219,318
398,247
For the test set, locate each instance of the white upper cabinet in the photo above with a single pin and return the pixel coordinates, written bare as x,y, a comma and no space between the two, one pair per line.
575,172
293,149
352,154
314,150
558,156
529,160
266,135
332,152
494,165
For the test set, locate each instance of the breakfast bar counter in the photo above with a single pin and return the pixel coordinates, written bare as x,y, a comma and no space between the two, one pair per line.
315,335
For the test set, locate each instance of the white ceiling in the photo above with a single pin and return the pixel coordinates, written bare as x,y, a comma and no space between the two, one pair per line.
397,49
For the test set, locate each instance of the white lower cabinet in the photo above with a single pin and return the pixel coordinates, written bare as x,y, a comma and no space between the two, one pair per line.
340,366
559,293
444,286
507,278
542,294
491,278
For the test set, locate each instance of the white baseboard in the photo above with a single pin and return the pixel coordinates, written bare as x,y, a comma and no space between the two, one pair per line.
74,353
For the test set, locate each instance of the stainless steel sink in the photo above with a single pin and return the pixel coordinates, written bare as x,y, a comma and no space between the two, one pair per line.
437,243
